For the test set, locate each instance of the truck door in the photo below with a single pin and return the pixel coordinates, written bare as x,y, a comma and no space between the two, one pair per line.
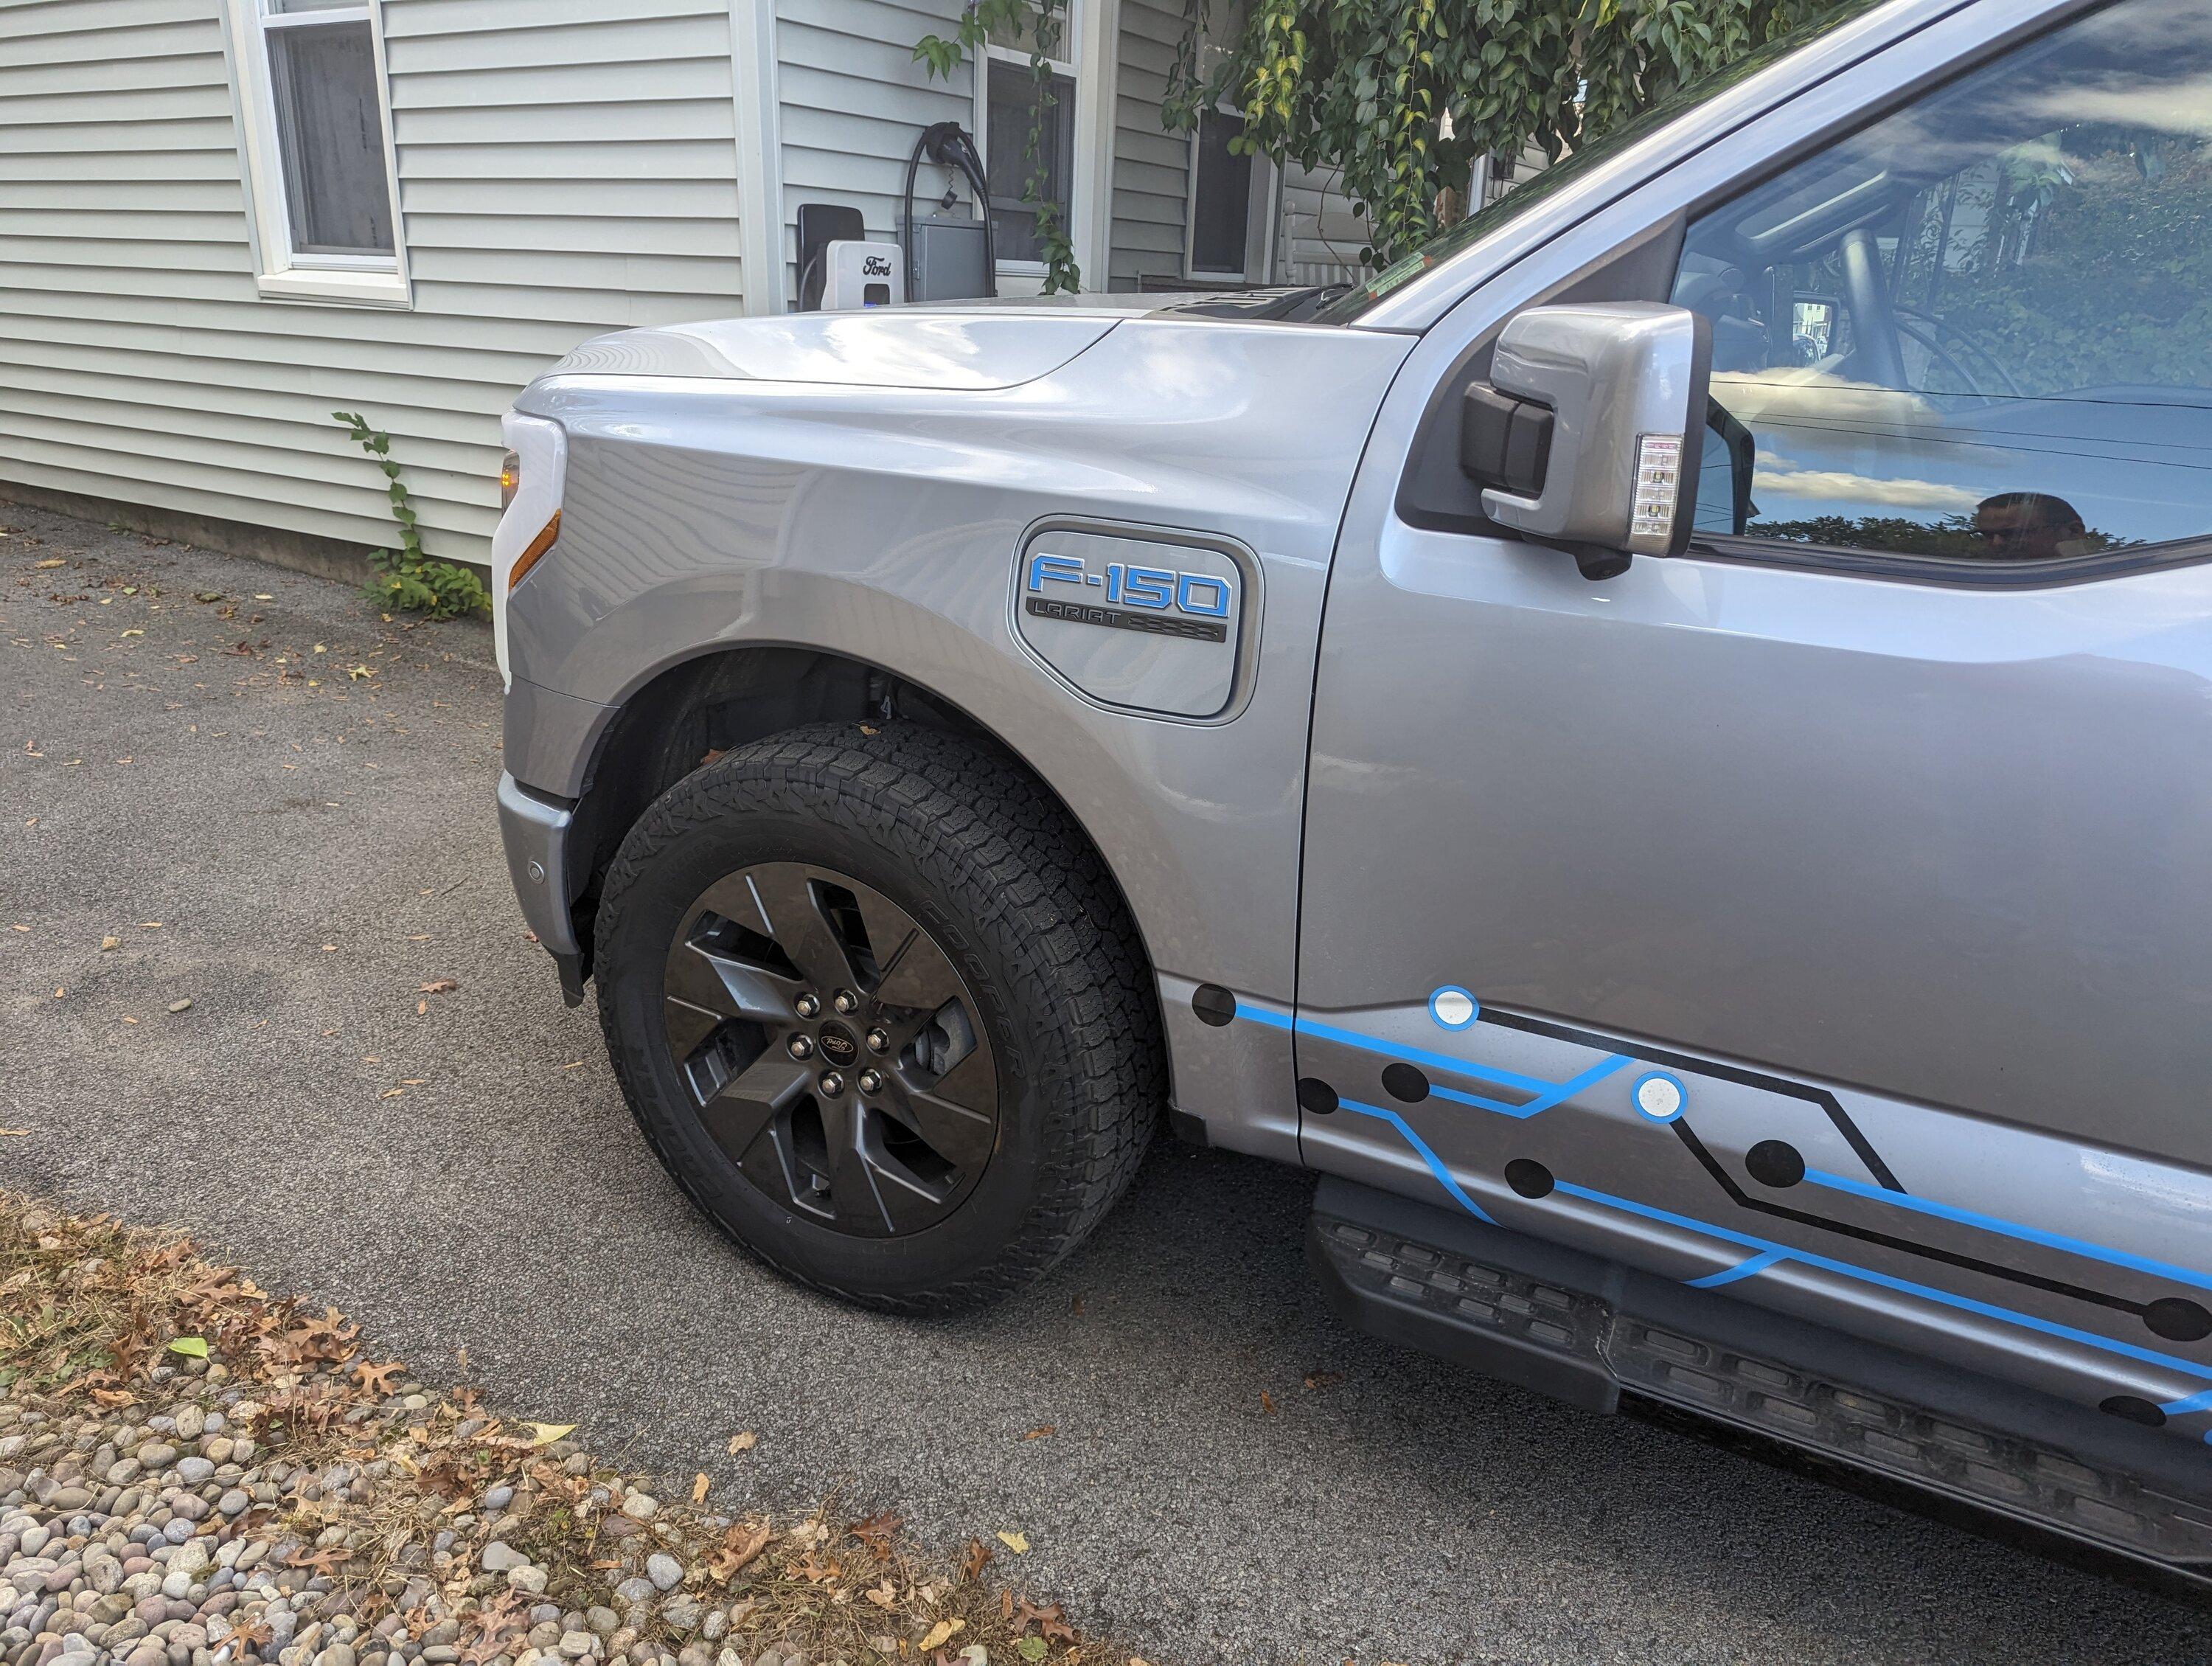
1824,913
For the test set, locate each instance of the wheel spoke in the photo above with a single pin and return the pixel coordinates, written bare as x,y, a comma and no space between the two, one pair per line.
957,1114
800,927
733,898
746,1105
853,1194
704,990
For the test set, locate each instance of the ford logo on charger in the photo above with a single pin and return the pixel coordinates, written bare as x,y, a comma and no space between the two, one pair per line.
1158,599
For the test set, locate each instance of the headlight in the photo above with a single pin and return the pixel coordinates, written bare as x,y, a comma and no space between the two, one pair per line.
531,476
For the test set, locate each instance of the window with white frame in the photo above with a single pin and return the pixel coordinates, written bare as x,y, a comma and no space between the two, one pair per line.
318,147
1223,189
1006,113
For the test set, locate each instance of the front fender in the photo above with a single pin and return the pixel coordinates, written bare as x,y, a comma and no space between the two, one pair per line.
882,525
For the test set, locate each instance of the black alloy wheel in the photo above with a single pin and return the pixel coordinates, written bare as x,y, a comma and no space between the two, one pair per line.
833,1048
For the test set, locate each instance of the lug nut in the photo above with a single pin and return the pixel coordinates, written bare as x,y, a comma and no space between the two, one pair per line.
880,1041
832,1084
807,1005
845,1000
870,1082
802,1047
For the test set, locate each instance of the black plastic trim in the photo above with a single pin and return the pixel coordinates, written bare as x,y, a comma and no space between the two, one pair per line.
1945,573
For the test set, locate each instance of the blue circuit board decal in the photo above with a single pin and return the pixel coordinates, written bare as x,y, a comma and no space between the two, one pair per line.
1661,1099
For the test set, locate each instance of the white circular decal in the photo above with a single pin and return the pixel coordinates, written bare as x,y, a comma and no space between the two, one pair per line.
1659,1098
1453,1008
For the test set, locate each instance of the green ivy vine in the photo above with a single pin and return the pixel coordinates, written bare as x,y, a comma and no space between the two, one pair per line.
406,579
1404,98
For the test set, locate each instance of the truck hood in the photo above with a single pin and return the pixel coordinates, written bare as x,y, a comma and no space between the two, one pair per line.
893,348
949,346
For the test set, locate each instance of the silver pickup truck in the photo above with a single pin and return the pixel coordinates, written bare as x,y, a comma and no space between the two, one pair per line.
1663,746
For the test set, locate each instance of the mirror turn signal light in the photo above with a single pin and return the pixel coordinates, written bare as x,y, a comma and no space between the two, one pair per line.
1658,485
530,557
510,478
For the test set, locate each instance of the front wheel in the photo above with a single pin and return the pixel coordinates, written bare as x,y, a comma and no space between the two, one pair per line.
880,1010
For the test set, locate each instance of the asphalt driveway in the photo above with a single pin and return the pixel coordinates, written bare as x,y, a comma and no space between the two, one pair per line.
280,808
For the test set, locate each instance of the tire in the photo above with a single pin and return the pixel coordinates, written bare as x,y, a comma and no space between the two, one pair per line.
859,829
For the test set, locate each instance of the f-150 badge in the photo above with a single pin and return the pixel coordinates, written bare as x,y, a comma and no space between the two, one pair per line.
1150,624
1164,601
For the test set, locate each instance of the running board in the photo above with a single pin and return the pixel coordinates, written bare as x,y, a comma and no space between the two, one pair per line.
1586,1331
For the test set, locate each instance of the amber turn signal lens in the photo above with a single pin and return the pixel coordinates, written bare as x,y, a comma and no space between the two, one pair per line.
510,477
538,545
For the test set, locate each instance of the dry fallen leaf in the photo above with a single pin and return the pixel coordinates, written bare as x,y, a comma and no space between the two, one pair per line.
15,1133
977,1560
544,1434
108,943
740,1545
699,1485
739,1443
43,565
1267,1402
876,1531
1017,1542
942,1633
1041,1431
440,986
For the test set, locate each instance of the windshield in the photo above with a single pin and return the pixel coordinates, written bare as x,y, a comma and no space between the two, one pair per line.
1570,167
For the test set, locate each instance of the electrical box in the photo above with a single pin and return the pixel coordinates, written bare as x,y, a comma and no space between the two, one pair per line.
947,256
861,274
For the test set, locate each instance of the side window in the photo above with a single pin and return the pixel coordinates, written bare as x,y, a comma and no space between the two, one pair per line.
319,154
1979,331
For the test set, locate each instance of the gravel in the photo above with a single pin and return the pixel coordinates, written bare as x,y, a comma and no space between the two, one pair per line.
504,1204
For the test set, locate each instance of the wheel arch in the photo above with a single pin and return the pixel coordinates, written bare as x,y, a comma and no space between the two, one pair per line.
732,695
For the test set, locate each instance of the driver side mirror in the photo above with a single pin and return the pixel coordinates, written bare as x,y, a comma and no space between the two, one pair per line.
1587,436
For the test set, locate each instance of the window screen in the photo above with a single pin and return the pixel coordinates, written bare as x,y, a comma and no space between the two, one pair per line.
323,81
1221,197
1013,98
1979,331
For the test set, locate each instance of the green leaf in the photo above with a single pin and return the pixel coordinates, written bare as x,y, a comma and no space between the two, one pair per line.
1030,1648
192,1347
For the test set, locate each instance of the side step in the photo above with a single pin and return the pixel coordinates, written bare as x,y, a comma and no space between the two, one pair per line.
1585,1331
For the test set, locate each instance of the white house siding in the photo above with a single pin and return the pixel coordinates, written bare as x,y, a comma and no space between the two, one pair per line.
566,167
1152,166
852,101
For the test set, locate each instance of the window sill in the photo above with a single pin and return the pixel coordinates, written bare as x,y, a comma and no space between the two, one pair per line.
341,288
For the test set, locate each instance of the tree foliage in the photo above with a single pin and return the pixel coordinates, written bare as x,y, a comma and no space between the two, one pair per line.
1407,96
1403,97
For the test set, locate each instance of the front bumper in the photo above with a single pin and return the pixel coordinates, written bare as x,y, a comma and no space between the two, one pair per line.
535,831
